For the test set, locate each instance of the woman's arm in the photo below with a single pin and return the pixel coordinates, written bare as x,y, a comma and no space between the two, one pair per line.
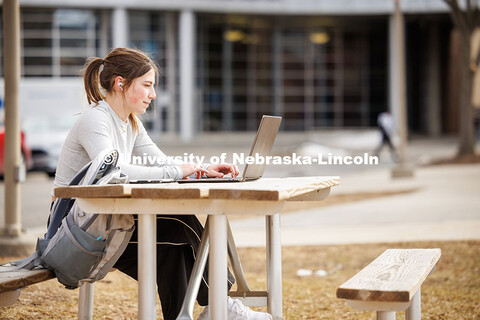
96,136
146,149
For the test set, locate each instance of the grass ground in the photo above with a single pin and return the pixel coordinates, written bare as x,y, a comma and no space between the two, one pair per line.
451,292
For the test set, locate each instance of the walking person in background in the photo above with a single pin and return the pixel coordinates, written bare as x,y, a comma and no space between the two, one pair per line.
386,125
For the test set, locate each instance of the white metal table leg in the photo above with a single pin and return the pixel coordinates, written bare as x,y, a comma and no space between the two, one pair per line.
274,266
414,312
217,268
147,267
385,315
85,301
186,313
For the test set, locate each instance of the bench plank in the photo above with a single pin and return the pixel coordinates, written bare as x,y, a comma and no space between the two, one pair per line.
395,276
13,280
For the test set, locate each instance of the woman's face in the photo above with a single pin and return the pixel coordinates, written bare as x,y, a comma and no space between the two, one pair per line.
141,92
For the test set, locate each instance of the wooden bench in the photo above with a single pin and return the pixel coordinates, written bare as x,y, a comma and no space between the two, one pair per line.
13,281
391,283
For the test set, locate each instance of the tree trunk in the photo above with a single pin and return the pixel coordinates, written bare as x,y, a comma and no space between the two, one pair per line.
466,134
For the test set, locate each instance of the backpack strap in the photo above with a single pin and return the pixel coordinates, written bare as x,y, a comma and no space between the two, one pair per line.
63,205
29,262
89,222
32,261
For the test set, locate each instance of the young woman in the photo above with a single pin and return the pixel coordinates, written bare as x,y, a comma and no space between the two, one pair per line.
119,87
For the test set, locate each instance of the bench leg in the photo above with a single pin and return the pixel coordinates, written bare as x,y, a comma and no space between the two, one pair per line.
414,312
274,267
9,297
385,315
85,301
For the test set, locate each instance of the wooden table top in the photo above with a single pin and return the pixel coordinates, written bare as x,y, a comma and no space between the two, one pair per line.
269,189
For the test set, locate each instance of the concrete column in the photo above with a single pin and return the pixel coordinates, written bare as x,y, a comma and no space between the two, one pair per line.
277,71
171,70
394,99
433,112
227,85
187,74
120,27
11,25
338,105
309,88
12,240
398,90
252,86
104,21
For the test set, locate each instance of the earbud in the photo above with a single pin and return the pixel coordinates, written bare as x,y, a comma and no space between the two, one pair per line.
120,84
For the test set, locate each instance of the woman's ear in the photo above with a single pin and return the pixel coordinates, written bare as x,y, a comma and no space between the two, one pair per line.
119,83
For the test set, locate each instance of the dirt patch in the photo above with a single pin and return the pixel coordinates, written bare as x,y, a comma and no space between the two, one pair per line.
451,292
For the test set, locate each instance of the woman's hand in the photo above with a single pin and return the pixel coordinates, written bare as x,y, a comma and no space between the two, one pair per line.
190,168
219,170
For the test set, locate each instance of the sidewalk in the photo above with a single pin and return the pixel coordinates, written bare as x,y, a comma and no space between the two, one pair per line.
444,204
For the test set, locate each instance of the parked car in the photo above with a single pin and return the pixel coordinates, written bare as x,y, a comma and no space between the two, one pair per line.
26,153
45,136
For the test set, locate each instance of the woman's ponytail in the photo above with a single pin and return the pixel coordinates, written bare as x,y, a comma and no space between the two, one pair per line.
91,80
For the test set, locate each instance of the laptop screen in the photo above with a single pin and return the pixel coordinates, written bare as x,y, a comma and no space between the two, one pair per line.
263,143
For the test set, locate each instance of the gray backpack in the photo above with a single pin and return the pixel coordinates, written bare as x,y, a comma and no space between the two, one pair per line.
78,246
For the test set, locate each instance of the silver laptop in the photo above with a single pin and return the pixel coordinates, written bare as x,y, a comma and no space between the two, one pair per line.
263,143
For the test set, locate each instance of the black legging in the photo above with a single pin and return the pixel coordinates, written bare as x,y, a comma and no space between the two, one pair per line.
178,239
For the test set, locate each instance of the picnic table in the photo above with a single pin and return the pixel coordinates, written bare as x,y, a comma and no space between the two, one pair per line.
265,196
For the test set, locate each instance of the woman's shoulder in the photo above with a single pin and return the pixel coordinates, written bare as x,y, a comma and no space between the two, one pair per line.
99,109
94,114
92,119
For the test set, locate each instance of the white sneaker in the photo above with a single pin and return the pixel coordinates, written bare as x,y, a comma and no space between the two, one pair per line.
236,310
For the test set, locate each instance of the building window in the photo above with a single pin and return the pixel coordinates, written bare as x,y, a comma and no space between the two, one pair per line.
57,41
314,72
148,32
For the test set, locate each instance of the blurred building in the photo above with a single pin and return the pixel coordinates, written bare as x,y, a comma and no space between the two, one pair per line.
318,63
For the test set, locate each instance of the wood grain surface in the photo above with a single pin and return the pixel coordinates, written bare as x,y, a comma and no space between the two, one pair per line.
394,276
169,193
270,189
105,191
273,189
12,280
